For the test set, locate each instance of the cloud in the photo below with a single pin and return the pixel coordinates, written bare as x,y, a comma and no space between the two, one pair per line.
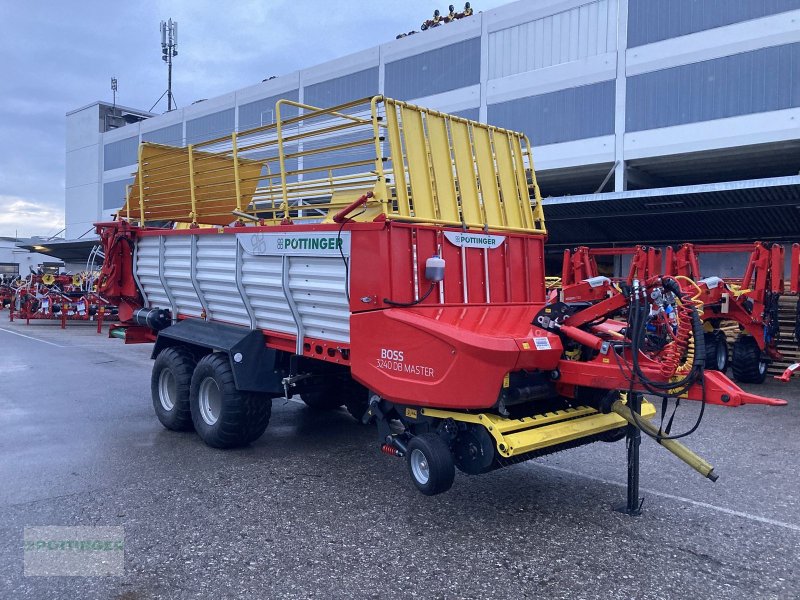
26,218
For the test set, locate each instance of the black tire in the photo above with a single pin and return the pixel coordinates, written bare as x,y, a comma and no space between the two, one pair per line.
356,400
716,351
223,416
430,464
169,388
326,399
351,394
749,363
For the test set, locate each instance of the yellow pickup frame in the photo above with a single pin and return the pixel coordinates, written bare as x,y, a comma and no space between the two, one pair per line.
520,436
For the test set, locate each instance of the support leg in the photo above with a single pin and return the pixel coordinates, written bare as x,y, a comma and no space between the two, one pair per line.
633,506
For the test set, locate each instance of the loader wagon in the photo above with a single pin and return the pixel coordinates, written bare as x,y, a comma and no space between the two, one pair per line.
390,259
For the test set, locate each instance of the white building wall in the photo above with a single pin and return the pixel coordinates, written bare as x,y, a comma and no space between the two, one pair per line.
83,176
532,54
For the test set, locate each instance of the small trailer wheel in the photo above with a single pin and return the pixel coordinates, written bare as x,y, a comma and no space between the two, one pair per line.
224,416
169,387
716,351
430,464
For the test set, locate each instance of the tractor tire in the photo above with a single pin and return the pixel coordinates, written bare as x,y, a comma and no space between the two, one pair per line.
430,464
169,388
223,416
749,364
716,351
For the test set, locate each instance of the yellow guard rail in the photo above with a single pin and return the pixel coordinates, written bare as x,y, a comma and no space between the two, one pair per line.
421,165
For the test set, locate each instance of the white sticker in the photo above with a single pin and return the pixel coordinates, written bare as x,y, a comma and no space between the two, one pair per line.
542,343
313,243
474,240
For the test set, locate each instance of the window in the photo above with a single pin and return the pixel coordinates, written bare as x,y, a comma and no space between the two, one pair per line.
262,112
171,135
750,82
572,114
435,71
210,126
121,153
473,114
115,193
655,20
342,89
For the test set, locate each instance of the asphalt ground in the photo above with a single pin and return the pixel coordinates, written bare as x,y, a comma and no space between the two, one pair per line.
314,510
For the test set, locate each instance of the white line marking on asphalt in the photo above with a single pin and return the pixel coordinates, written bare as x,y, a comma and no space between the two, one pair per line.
727,511
32,338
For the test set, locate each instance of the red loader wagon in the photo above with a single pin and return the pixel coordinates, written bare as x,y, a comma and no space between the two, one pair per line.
390,259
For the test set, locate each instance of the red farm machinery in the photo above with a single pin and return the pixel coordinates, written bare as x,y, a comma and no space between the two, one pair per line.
390,259
61,298
749,308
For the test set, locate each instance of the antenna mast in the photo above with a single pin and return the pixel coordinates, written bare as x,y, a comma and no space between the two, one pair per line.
169,48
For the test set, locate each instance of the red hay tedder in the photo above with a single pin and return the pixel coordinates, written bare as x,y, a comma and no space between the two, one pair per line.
53,297
390,259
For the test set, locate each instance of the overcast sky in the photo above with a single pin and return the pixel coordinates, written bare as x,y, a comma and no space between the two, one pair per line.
59,55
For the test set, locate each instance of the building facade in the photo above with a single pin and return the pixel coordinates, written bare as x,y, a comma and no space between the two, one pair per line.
615,95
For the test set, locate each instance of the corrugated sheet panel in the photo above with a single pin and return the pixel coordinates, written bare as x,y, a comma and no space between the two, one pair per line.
210,126
654,20
572,114
443,69
178,274
147,262
750,82
121,153
216,278
318,287
262,112
567,36
172,135
261,276
115,193
342,89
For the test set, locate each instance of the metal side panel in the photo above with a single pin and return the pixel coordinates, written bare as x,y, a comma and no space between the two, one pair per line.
261,280
317,285
178,274
147,271
216,277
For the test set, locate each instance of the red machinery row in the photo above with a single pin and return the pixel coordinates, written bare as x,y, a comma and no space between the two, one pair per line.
750,302
54,297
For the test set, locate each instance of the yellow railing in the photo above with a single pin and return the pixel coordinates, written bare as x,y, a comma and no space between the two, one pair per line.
421,166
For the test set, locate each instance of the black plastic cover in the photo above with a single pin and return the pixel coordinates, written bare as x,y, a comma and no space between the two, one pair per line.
253,363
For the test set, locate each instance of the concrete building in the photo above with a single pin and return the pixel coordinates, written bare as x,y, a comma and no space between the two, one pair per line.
651,120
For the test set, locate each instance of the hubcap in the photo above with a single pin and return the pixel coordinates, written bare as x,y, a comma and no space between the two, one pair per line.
722,356
210,400
419,466
762,367
166,389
